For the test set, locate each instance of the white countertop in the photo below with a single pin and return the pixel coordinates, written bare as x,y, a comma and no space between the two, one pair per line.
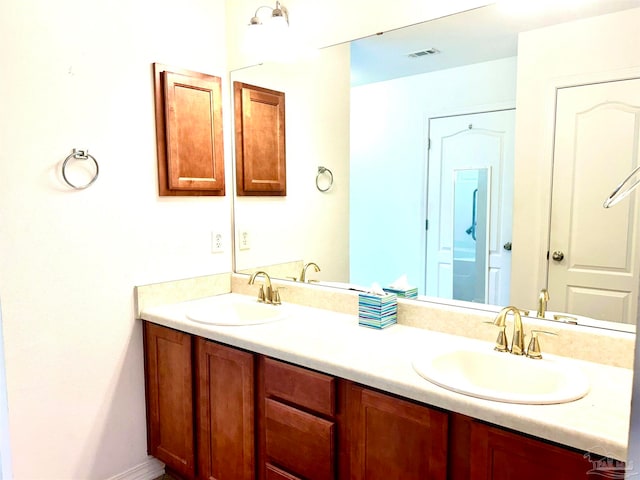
334,343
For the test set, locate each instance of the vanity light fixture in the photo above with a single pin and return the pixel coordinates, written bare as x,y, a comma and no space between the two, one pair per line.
268,35
279,16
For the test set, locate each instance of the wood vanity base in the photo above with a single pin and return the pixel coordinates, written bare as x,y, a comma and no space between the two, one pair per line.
223,413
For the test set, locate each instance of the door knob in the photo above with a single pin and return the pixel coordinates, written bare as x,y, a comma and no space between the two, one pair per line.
558,256
507,246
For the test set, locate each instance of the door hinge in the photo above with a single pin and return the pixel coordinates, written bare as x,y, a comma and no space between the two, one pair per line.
426,224
428,144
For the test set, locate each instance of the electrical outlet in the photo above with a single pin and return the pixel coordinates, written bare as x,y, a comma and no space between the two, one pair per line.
217,242
244,240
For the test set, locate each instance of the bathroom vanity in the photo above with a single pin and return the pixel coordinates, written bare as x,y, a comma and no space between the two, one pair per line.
312,395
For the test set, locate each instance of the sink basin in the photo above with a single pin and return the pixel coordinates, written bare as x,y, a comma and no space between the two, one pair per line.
236,311
504,377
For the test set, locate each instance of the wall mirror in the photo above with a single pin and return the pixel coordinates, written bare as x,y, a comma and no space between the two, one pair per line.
367,111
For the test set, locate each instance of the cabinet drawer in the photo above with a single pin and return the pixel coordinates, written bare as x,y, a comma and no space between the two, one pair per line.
298,441
274,473
302,387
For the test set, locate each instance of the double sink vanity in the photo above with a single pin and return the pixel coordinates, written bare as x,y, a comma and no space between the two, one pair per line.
239,389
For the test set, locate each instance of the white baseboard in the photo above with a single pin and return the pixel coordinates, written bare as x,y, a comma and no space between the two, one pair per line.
148,470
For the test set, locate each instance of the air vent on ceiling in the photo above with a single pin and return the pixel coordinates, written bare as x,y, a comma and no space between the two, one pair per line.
423,53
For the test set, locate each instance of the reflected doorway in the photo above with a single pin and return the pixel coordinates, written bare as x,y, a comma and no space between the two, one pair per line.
481,141
471,193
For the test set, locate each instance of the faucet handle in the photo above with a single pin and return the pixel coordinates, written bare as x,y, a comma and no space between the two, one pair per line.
502,344
275,297
261,298
533,350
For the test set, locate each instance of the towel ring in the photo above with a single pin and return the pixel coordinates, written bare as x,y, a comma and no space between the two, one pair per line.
617,195
79,155
323,171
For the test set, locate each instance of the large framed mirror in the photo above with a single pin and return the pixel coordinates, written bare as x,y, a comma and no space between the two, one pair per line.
382,112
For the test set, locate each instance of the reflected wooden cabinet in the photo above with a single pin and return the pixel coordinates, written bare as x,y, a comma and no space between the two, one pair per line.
260,141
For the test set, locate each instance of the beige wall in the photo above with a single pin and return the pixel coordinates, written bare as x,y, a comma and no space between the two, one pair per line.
600,49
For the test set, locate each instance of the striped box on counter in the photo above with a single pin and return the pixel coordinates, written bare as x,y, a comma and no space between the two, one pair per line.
377,311
403,293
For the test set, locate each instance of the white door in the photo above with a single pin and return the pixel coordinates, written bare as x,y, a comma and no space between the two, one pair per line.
594,259
480,140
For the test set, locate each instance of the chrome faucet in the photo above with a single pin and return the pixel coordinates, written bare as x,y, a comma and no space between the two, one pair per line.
517,342
543,298
303,274
267,293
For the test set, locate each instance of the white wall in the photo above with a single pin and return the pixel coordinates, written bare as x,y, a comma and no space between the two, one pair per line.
389,122
306,224
601,49
78,74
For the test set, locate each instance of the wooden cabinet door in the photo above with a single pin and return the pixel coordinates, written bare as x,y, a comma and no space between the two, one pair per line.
496,454
394,438
169,392
189,132
260,141
225,412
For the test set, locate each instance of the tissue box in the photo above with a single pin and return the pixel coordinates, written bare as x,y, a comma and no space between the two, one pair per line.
403,293
377,311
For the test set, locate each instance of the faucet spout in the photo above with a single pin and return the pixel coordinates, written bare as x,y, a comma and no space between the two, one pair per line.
265,295
303,274
517,342
543,298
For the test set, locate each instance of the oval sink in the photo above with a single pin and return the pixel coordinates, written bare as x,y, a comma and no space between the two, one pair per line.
235,311
504,377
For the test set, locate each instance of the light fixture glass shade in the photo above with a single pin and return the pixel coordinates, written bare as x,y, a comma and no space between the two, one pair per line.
269,40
